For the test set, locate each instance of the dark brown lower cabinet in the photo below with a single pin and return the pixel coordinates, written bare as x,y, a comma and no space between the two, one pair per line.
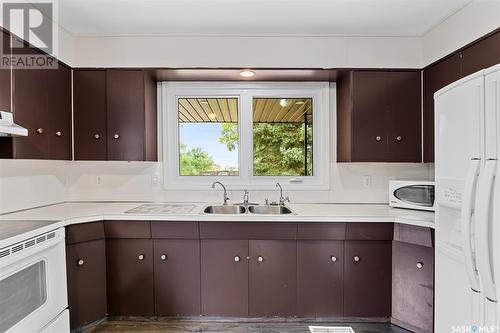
367,279
224,278
413,286
86,269
320,278
130,277
273,278
177,277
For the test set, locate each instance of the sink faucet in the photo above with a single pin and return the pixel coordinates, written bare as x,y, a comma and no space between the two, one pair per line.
245,197
225,191
282,199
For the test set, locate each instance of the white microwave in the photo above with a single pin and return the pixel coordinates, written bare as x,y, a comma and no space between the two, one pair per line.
412,194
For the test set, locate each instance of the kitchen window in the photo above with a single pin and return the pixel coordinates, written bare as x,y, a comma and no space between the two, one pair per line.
247,135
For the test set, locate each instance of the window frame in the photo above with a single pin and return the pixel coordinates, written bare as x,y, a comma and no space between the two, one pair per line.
170,92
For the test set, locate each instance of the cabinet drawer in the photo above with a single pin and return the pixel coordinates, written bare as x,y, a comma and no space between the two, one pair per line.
413,235
174,230
369,231
321,231
127,229
244,230
84,232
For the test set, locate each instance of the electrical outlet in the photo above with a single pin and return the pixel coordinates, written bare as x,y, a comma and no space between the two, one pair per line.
367,181
98,180
155,179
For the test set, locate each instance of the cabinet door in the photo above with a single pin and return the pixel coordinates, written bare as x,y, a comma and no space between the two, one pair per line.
320,271
224,278
481,55
90,114
413,285
405,119
177,277
5,75
367,279
370,115
86,267
58,121
436,77
130,277
30,110
273,278
126,118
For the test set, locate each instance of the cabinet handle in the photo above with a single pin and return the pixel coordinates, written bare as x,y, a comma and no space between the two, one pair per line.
116,136
333,258
378,138
237,258
97,136
163,257
39,130
356,258
80,262
420,265
399,138
58,133
141,257
260,259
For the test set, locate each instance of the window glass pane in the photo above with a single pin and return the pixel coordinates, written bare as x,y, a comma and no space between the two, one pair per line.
208,136
282,136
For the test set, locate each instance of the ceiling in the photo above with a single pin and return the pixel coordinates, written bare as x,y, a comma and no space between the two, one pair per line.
255,17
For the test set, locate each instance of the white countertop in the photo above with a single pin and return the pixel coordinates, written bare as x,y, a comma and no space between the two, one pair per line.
68,213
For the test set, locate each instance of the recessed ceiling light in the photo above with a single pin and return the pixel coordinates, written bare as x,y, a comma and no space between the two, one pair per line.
203,102
299,102
212,116
283,102
247,73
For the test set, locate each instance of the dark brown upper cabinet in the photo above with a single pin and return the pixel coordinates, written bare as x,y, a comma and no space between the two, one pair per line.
472,58
89,103
115,115
379,116
5,75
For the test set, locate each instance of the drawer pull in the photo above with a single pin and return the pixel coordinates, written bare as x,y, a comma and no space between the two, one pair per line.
260,259
58,133
356,258
80,262
97,136
163,257
378,138
399,138
39,130
141,257
333,258
237,258
420,265
116,136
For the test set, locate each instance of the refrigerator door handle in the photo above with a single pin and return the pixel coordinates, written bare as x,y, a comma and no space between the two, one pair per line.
466,220
483,234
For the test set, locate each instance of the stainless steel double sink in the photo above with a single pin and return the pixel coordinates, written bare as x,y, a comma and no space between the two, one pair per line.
251,209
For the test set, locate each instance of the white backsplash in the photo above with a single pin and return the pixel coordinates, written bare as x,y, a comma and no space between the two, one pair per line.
25,184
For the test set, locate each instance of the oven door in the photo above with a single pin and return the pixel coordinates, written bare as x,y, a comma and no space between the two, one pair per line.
32,283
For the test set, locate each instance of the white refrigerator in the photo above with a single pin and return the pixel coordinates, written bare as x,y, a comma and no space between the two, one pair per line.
467,134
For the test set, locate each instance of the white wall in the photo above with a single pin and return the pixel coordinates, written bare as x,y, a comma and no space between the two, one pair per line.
25,184
470,23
